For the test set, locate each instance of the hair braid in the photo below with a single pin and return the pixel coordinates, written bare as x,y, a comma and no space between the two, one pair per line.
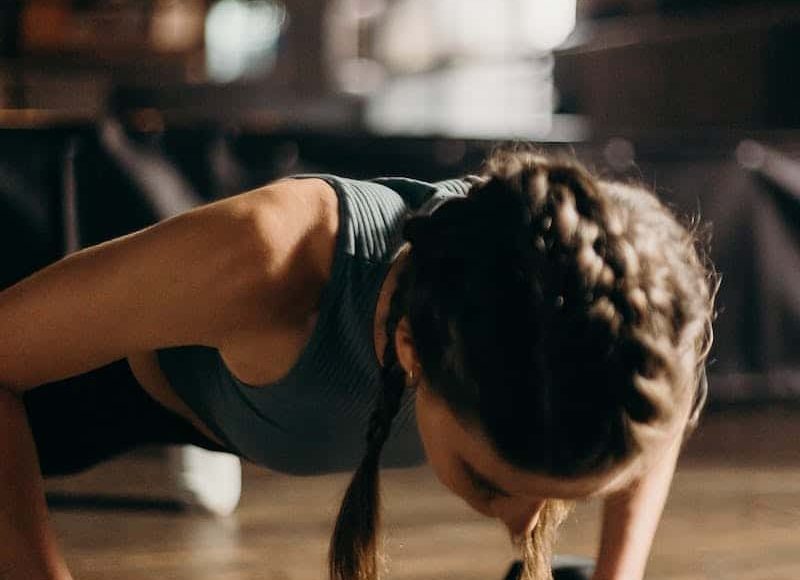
354,551
605,269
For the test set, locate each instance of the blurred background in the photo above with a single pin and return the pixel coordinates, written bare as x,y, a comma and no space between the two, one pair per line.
115,114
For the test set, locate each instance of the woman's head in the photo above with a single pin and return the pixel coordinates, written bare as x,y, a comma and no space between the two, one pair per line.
559,320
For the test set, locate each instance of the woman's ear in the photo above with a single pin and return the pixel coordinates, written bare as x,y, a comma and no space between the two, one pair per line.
405,348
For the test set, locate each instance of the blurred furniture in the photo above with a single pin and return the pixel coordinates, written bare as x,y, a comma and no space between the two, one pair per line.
71,54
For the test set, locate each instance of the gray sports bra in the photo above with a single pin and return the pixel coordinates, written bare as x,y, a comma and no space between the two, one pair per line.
314,420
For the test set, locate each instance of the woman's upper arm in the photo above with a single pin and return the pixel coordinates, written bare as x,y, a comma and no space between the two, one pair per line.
188,280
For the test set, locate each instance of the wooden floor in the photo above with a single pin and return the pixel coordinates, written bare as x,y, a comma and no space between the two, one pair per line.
734,514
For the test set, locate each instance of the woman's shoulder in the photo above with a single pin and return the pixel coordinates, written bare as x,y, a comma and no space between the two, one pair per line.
298,224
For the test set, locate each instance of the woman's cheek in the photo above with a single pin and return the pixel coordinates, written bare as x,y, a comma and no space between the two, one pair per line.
440,457
449,475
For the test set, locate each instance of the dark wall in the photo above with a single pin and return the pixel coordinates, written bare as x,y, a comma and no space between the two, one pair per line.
31,212
729,68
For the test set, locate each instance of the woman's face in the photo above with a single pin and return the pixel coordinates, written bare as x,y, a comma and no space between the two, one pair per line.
466,462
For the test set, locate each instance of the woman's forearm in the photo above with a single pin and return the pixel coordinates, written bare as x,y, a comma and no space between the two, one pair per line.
630,520
28,549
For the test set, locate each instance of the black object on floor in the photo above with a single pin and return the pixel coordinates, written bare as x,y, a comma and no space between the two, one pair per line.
64,502
564,568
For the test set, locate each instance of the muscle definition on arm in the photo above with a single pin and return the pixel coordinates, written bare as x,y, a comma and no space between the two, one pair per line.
198,278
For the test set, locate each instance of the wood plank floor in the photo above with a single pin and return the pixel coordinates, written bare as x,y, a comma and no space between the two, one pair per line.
734,513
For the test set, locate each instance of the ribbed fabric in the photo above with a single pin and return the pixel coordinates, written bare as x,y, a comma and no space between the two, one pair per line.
314,420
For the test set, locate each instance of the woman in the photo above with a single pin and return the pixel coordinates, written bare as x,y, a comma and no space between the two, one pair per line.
539,333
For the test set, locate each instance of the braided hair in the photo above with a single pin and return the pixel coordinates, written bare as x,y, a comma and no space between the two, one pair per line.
566,316
354,550
569,318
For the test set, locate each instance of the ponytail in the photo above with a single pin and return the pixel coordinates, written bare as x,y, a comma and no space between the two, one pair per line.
354,550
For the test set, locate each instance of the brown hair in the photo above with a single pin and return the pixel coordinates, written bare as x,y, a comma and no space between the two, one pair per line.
568,316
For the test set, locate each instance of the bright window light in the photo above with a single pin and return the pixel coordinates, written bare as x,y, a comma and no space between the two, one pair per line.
242,37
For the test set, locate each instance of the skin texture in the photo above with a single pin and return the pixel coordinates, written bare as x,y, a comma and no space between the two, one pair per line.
28,550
